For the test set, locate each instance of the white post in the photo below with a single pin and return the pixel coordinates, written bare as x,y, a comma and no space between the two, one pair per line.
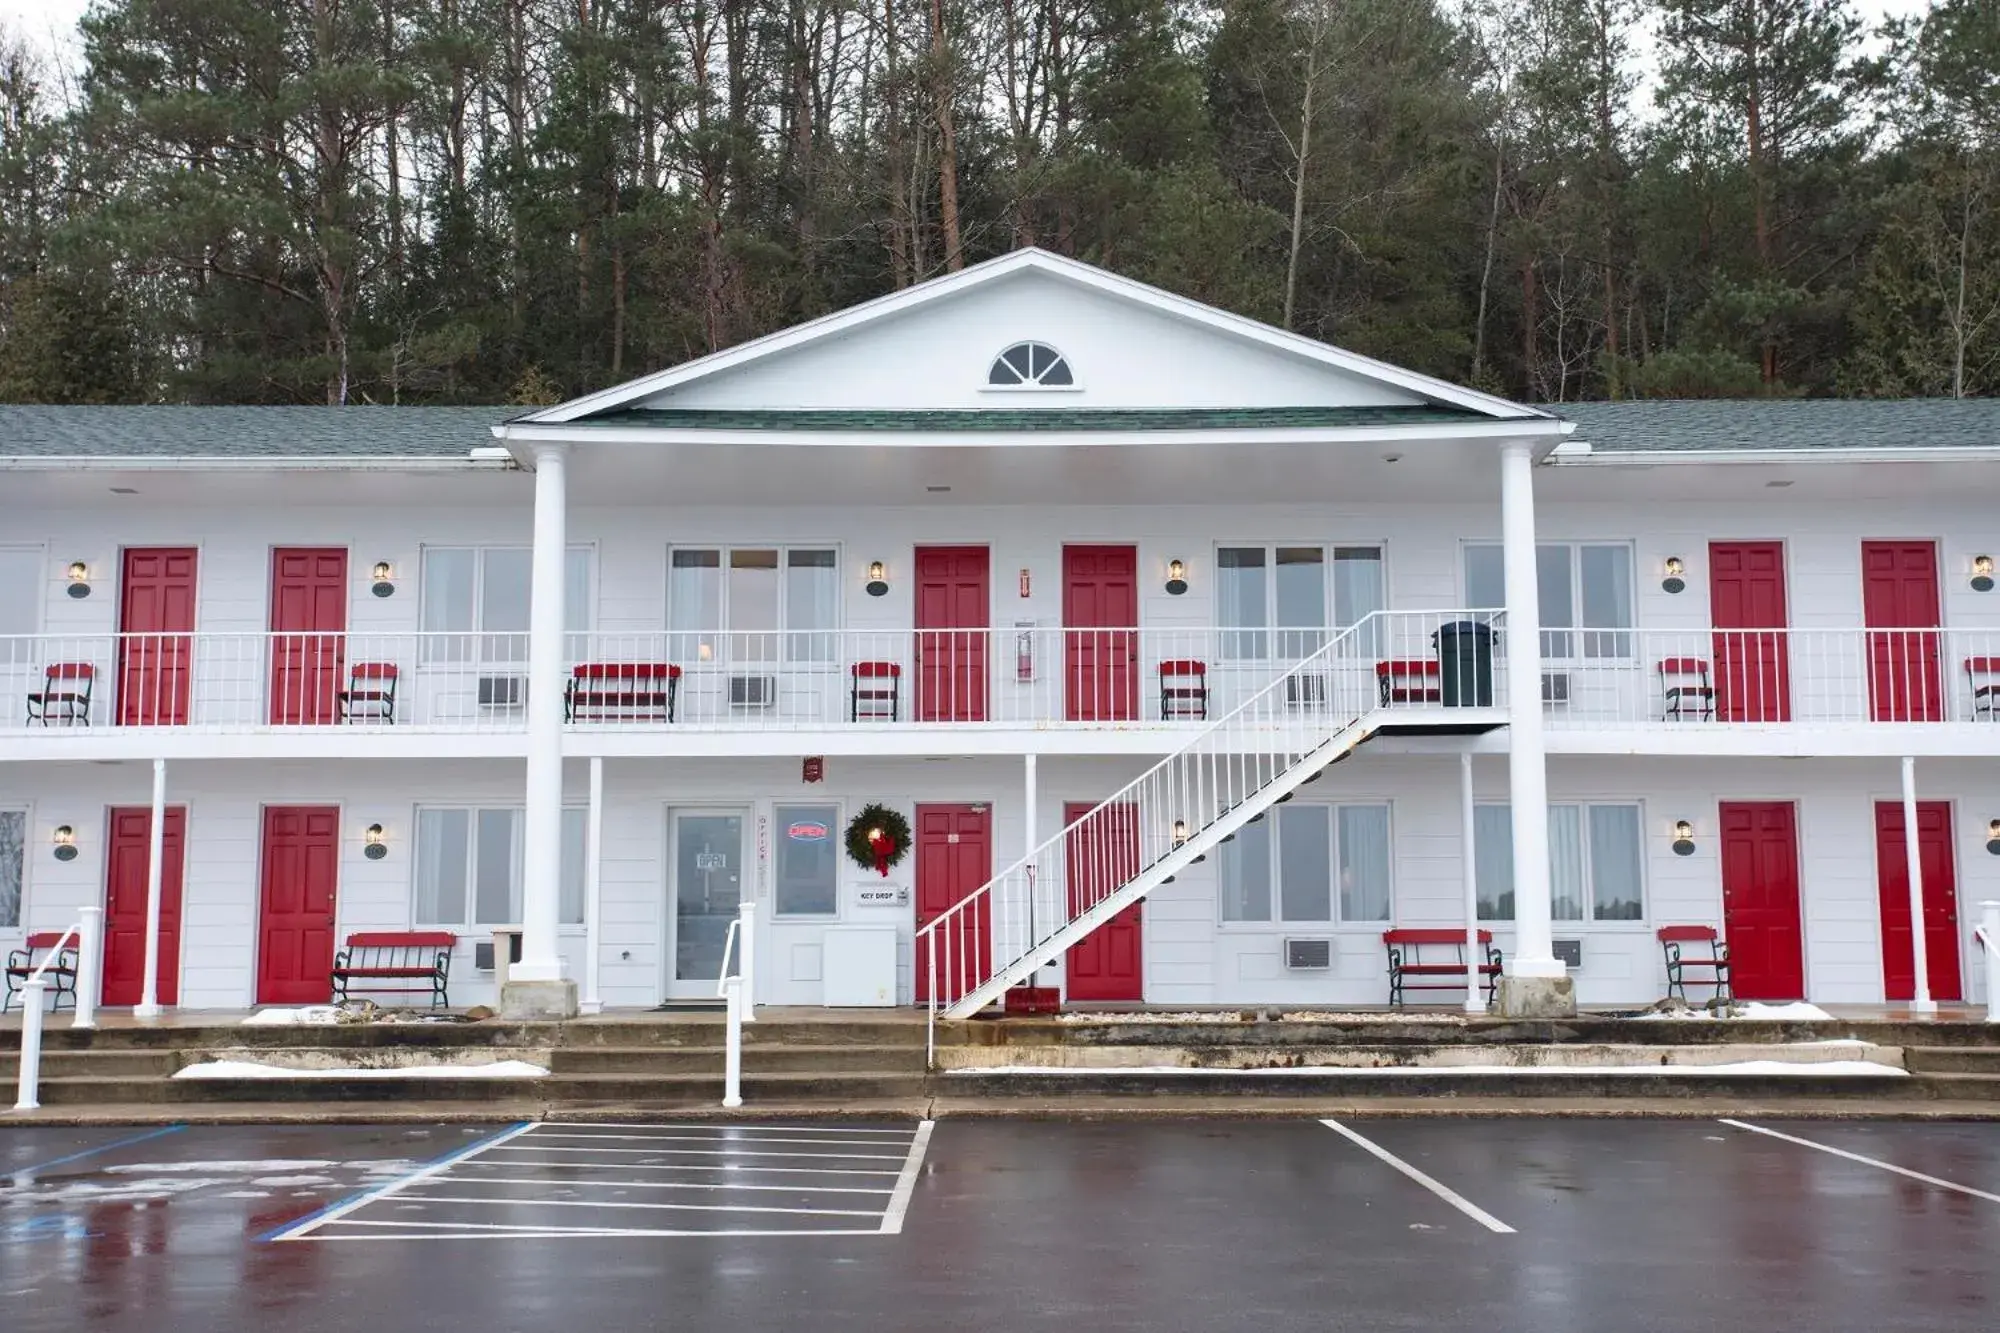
31,1046
746,916
89,943
1527,769
156,855
1028,798
732,1058
1989,927
1468,832
540,964
593,885
1913,851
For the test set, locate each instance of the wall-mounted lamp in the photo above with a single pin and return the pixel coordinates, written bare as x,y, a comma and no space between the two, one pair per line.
1176,578
1683,839
65,839
373,847
1674,582
385,579
1993,836
878,579
79,579
1180,832
1982,573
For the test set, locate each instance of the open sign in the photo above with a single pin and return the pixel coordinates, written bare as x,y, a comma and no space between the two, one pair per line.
806,830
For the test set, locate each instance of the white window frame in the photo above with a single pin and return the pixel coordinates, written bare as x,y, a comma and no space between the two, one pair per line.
1275,918
835,834
18,925
517,872
708,652
1589,920
1330,621
986,384
1621,639
28,654
437,643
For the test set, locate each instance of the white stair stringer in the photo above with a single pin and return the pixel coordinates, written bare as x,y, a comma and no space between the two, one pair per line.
1235,768
1198,846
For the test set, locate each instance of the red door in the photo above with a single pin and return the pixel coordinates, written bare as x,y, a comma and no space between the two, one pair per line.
295,924
952,595
156,615
954,859
125,905
1746,590
1899,598
1892,873
1101,649
308,634
1760,900
1098,859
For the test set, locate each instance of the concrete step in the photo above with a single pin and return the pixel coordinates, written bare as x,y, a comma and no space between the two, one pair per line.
107,1064
756,1059
676,1032
1981,1087
1520,1056
1058,1088
1951,1060
1434,1030
554,1090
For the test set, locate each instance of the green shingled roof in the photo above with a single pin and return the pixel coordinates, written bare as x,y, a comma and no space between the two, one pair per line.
1036,419
247,432
1808,424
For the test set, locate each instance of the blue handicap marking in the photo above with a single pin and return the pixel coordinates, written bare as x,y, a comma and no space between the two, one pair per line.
55,1226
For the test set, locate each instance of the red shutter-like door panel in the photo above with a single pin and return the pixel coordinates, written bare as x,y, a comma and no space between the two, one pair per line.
308,634
1892,873
155,654
301,867
1760,899
954,858
1899,602
1746,582
126,861
1100,645
1106,964
953,594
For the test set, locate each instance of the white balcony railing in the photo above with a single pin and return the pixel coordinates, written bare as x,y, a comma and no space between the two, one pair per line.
1043,677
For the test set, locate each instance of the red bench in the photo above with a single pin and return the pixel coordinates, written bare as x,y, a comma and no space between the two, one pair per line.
1709,959
621,692
415,956
1414,680
1408,959
61,973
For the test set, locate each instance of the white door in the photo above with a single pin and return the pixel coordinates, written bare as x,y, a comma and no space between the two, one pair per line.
707,876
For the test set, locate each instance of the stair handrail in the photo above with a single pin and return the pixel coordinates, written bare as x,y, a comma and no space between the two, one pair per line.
1987,933
1251,771
734,988
83,933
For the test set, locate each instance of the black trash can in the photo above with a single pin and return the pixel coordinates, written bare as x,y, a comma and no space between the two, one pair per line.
1465,663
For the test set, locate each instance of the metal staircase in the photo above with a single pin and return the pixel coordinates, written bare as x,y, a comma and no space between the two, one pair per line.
1253,757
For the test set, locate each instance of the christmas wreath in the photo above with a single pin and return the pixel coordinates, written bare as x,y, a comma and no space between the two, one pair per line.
878,838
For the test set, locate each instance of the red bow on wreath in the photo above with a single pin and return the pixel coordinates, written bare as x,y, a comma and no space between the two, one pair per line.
884,847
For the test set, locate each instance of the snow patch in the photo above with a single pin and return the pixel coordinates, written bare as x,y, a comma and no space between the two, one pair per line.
1845,1068
1188,1016
249,1069
1752,1011
311,1015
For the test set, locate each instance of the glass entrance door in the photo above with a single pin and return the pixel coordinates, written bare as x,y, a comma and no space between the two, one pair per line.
708,871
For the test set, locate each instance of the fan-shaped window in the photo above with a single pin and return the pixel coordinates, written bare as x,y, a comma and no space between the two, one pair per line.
1030,366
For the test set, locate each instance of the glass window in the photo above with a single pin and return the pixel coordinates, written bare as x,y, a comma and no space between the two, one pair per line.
731,603
13,865
486,591
21,594
469,867
1358,592
1305,851
1030,365
1300,593
812,605
808,859
1244,874
1363,842
1260,587
1241,602
1587,587
1594,863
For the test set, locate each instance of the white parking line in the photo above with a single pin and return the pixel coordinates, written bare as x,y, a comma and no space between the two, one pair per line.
504,1231
1866,1161
489,1201
906,1183
652,1184
1450,1196
711,1138
438,1167
695,1166
713,1152
721,1128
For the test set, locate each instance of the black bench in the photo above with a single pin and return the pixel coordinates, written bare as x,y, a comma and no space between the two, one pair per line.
1699,948
1409,964
419,957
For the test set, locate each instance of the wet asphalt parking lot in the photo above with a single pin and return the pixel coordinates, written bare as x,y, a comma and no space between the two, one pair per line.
1541,1224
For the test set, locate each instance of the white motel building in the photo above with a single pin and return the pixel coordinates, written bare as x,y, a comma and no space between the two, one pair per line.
1196,655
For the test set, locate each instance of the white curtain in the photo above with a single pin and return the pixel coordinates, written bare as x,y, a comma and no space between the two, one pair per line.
1493,861
1566,862
1364,863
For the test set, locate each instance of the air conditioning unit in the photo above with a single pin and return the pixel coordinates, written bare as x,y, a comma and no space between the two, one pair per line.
1308,955
482,953
1570,953
502,691
1305,689
753,691
1555,687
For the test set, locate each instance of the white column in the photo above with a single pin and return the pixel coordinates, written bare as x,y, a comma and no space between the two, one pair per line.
1527,770
1474,1002
156,855
1989,948
593,886
1028,825
1920,954
542,855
